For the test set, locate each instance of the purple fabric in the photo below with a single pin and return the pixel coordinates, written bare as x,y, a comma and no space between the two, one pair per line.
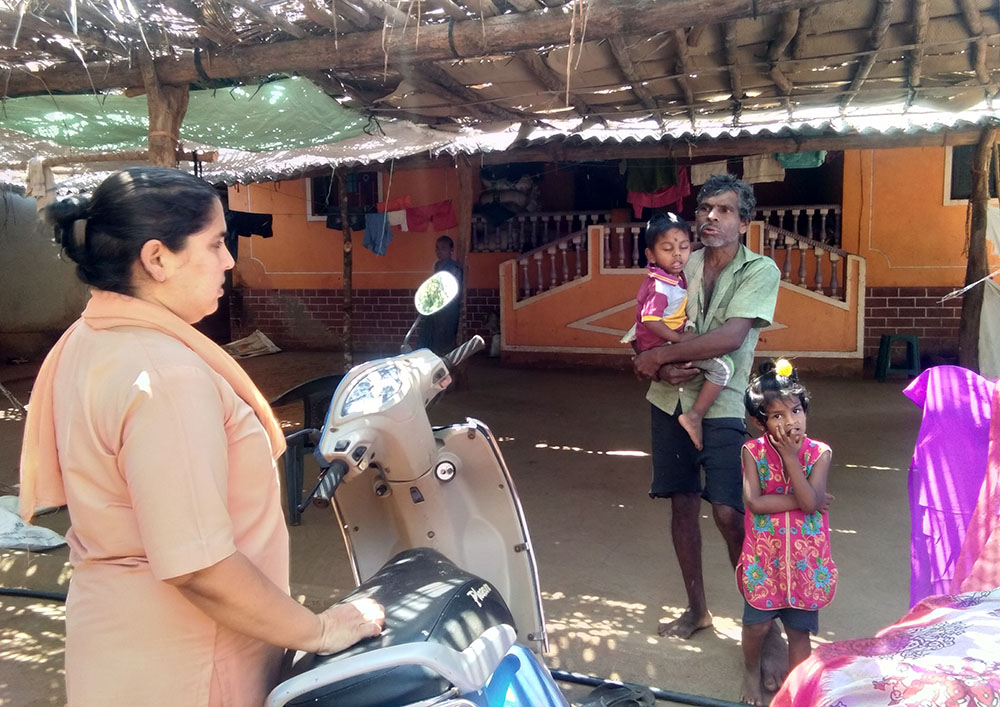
947,471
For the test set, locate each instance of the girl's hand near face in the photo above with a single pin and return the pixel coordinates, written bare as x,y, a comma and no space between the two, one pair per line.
787,444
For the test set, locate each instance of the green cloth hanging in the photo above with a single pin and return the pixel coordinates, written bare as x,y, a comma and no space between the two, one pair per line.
801,160
650,175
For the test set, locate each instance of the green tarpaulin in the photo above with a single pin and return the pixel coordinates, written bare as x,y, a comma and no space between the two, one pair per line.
280,115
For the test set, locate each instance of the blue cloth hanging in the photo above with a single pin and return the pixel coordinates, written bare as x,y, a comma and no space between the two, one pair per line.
378,233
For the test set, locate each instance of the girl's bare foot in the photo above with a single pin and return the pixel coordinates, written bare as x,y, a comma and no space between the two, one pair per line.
692,425
773,660
685,625
751,692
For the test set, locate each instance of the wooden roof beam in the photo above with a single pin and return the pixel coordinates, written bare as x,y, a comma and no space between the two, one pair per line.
979,44
735,79
353,18
49,27
524,5
430,74
788,26
268,17
383,10
806,16
921,17
682,70
486,8
551,80
364,50
879,28
621,54
450,8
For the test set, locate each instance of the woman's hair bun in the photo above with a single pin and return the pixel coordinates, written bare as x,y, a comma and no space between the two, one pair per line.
64,215
64,212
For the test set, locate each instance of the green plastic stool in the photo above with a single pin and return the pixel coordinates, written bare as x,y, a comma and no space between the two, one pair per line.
910,367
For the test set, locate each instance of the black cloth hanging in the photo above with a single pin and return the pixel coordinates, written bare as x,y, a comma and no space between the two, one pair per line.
243,223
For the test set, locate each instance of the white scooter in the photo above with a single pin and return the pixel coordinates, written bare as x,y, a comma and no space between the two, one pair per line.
436,534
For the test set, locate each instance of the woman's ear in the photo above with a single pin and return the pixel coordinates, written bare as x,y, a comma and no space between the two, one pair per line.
151,257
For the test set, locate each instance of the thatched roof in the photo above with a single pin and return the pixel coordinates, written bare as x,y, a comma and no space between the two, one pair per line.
489,61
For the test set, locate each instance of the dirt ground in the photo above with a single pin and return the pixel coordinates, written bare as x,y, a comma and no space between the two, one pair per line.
576,443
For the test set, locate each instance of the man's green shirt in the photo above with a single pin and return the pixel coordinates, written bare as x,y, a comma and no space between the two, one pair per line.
746,288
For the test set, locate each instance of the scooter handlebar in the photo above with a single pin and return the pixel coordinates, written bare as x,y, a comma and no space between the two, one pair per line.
455,357
329,480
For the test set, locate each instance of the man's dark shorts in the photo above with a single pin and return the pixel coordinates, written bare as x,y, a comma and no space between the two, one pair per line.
677,464
796,619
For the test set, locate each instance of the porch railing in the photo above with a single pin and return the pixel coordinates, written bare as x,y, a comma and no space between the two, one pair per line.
551,265
819,222
817,266
529,231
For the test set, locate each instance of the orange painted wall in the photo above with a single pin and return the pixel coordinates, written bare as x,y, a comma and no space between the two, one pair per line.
305,254
895,217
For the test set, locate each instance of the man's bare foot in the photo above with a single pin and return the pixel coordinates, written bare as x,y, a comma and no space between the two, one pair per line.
773,660
751,692
692,425
685,625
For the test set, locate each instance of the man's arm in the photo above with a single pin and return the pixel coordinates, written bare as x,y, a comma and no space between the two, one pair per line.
721,340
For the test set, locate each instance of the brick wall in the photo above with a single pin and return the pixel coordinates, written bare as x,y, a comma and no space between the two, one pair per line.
313,319
913,310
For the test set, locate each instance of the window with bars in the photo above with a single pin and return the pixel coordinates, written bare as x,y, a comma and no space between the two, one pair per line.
324,196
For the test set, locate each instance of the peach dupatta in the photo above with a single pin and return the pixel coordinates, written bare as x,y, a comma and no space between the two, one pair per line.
41,475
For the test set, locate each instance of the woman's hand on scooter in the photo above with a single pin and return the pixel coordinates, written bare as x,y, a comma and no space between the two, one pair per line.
344,625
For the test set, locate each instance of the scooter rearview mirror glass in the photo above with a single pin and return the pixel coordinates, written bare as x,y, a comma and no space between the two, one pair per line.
435,293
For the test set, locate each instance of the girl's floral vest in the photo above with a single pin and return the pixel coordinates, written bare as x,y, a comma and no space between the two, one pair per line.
785,562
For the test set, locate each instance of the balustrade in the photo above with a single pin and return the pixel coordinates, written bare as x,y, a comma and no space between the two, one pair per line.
552,265
525,232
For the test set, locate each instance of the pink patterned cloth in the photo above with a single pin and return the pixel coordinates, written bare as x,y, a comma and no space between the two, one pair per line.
945,651
668,196
785,561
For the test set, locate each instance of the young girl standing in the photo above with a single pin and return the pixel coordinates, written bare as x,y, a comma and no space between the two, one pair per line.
785,570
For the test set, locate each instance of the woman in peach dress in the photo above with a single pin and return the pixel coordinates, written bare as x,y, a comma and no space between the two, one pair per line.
163,450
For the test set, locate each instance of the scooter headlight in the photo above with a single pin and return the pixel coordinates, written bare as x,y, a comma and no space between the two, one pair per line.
376,391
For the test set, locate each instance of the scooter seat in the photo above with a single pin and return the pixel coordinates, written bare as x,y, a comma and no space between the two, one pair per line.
427,599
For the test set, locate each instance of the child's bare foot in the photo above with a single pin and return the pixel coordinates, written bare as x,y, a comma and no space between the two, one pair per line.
691,422
685,625
773,660
751,693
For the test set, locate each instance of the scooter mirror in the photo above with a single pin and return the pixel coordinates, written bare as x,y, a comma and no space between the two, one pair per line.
435,293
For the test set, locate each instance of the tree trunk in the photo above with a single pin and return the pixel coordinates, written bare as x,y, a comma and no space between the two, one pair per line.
977,268
348,273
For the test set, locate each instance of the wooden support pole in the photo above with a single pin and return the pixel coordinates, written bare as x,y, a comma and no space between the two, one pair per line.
348,273
467,174
167,106
977,267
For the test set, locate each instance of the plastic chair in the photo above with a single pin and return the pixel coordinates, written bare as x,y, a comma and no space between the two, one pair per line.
911,365
315,397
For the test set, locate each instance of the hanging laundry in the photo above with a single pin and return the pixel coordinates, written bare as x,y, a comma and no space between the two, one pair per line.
801,160
40,183
701,172
244,223
650,175
355,221
400,202
441,215
762,168
377,233
670,196
398,218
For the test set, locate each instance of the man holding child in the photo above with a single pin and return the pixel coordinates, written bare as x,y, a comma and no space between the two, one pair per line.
731,296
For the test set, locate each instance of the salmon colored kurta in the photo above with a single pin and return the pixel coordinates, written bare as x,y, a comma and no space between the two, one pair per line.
166,471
